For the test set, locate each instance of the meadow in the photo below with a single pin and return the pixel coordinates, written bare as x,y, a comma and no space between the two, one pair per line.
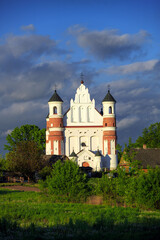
33,215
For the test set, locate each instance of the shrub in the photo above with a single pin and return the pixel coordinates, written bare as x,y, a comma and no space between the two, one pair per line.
46,171
105,186
144,189
67,180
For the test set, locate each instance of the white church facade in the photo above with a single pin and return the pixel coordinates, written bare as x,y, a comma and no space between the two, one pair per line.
83,133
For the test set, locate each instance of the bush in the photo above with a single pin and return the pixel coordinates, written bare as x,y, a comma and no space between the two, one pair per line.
67,180
105,186
144,190
46,171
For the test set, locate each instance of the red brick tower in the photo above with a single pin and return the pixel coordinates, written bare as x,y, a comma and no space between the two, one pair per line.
54,128
109,130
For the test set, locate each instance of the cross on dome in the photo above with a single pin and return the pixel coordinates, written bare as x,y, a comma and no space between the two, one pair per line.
109,87
82,78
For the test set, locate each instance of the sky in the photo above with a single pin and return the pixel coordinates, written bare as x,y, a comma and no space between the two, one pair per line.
47,44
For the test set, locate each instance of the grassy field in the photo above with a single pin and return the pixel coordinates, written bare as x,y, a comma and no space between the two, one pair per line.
31,215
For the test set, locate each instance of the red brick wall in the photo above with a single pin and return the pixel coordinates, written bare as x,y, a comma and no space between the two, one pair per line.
57,122
109,122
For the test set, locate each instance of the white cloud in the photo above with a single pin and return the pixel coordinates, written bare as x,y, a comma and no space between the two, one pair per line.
29,27
5,133
127,122
133,67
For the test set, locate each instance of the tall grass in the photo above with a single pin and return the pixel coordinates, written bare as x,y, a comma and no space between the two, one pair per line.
26,206
30,215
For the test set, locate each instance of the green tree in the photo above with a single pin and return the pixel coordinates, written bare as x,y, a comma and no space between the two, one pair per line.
150,137
144,189
129,155
26,133
66,179
119,151
25,158
3,165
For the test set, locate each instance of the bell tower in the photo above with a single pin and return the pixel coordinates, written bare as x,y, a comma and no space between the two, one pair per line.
54,128
109,130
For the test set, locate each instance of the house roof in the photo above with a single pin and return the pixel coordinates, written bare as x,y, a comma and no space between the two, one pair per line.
109,98
147,157
51,159
55,98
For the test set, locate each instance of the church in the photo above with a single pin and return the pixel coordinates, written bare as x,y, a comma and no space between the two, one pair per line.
83,134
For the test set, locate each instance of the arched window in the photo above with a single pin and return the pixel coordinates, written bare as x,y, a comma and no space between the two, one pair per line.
110,110
83,144
55,110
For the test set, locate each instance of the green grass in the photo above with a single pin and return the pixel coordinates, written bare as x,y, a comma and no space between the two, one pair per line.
32,215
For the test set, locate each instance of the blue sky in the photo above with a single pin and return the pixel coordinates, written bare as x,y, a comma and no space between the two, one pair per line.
48,43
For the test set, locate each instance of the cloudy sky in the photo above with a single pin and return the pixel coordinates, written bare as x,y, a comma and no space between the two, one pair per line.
48,43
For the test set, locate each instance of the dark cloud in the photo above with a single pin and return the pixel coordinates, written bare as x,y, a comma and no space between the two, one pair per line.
32,46
27,68
108,44
17,53
29,73
31,66
138,105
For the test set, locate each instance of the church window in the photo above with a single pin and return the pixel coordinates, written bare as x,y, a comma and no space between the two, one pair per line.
55,110
110,110
105,124
83,144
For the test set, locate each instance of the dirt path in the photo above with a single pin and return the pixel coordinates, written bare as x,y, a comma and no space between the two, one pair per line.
92,200
22,188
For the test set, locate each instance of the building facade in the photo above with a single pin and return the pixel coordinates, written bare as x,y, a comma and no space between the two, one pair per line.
83,133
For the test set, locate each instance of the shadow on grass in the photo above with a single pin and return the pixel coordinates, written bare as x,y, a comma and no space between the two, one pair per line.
4,192
80,230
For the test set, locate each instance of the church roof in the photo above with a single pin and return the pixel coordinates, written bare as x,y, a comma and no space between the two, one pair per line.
55,98
98,153
109,98
73,154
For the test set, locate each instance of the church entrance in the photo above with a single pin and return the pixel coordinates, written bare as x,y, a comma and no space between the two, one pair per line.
85,164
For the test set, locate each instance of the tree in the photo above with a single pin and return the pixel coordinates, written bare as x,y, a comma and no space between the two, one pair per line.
119,151
150,137
3,166
25,158
26,133
66,179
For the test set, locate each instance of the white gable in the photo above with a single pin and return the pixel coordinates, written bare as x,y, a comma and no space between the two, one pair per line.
82,110
86,152
86,157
